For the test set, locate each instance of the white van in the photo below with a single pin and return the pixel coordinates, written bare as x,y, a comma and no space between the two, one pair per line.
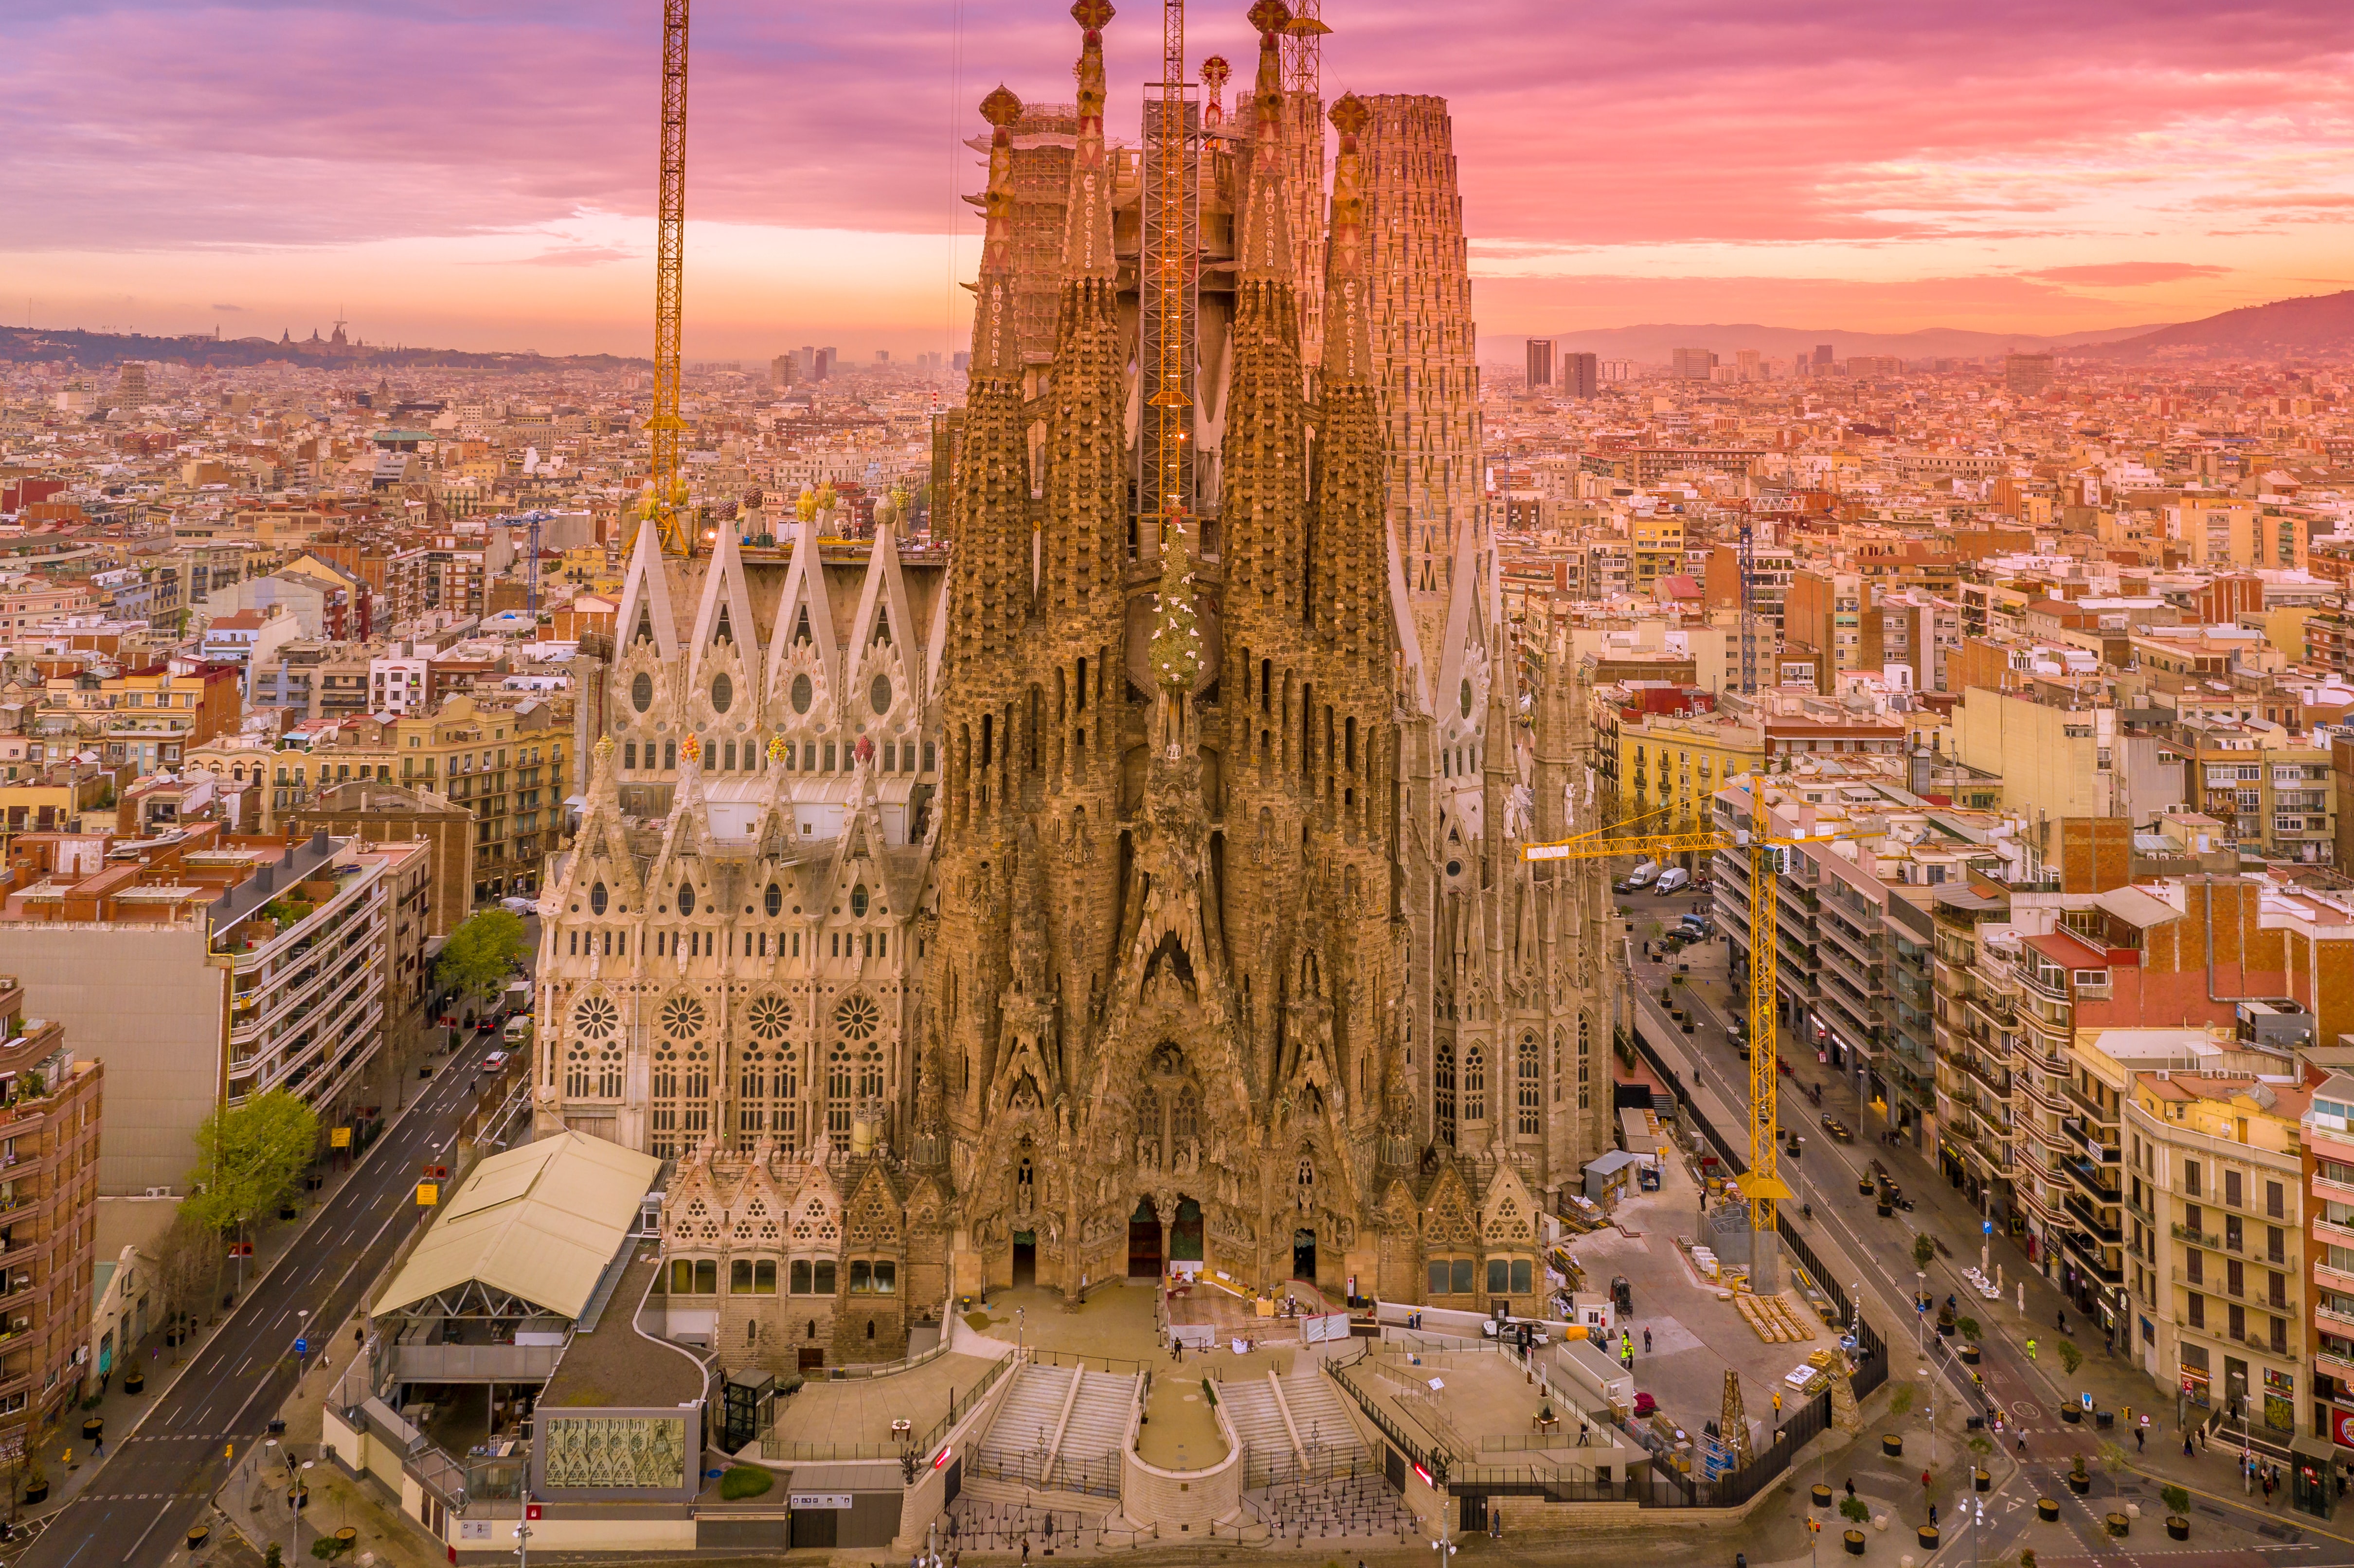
1640,877
1673,880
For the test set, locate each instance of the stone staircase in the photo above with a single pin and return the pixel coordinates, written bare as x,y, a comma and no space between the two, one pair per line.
1258,1420
1098,1418
1319,1415
1033,1408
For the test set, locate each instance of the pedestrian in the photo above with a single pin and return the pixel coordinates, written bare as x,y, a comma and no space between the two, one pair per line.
1851,1486
2139,1433
2064,1320
1924,1480
2031,1347
1647,1341
98,1450
2022,1439
1933,1514
1026,1552
2186,1445
2202,1439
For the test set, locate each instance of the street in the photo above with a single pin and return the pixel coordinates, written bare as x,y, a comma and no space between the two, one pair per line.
1876,1258
155,1479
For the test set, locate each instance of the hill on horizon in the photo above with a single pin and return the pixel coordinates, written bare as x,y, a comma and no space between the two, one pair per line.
1654,343
2281,329
76,346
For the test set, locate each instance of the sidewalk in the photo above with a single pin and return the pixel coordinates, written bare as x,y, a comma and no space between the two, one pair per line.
162,1365
2115,1382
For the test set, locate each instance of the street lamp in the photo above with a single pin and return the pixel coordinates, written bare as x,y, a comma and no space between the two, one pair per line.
522,1545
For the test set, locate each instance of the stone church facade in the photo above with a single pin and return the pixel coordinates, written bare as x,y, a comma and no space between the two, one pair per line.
1117,899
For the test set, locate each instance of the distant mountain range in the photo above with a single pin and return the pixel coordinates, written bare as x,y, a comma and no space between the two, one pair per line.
1656,343
2314,325
76,346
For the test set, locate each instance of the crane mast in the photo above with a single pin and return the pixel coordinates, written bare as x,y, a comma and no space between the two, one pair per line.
665,497
1762,1185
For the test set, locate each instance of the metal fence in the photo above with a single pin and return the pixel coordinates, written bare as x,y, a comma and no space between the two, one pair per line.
1095,1475
1266,1468
1434,1460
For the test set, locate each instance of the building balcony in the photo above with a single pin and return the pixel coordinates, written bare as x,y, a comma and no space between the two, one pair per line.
2340,1190
2090,1256
2336,1322
2333,1278
2337,1366
1996,1081
2247,1292
2088,1216
2092,1110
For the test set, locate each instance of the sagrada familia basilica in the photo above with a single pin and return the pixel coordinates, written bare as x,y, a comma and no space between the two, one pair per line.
1136,883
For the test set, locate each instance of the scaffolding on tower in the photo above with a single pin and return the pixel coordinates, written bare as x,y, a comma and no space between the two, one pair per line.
1169,291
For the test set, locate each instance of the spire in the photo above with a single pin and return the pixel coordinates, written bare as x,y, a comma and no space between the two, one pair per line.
1087,458
1087,234
990,573
1262,510
1265,247
996,351
1348,337
1214,72
1350,570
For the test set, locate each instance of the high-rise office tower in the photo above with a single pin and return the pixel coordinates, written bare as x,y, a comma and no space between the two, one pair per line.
1581,374
1540,363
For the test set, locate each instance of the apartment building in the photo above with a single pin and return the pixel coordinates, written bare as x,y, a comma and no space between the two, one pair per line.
1855,926
2327,1181
202,967
51,1106
2274,790
502,761
1668,766
2215,1192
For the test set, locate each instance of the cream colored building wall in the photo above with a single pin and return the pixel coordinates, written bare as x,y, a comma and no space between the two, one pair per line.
2047,773
145,1001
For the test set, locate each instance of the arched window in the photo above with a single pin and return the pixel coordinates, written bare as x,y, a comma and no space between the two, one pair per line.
1442,1093
1584,1040
1148,1116
1530,1093
1474,1084
596,899
1185,1121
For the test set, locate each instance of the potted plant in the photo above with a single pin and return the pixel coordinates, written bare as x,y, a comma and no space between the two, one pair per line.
1968,1347
134,1381
2177,1510
33,1477
2080,1480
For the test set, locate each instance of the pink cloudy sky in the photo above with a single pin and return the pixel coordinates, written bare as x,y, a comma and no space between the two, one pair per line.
481,177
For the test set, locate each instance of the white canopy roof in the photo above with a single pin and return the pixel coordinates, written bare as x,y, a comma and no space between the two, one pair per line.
540,1221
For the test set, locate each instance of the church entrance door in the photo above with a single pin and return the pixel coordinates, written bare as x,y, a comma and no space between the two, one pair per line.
1025,1258
1185,1235
1303,1255
1144,1242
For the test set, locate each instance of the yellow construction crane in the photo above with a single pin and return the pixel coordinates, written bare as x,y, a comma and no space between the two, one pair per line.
664,502
1762,1184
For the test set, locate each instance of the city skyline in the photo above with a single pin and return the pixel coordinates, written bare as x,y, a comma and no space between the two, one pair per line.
488,184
